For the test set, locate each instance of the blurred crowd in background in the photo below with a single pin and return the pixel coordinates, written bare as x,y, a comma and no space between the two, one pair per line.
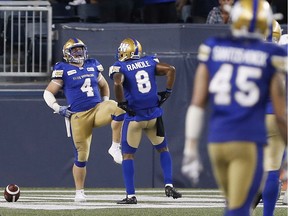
161,11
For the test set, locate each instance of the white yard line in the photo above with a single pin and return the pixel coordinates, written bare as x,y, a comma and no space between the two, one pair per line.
105,199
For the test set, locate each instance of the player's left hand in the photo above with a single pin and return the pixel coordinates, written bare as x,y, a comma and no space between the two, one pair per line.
192,167
64,111
164,95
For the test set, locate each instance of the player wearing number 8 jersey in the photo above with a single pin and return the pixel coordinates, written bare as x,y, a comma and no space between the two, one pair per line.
136,92
237,73
87,93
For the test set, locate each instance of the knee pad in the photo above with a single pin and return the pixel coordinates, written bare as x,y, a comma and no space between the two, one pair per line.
119,117
161,145
126,149
80,163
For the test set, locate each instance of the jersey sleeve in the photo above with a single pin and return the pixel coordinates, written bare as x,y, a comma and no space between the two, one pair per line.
115,68
58,71
279,59
204,51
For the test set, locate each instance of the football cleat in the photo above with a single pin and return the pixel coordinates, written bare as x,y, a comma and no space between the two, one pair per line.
251,18
129,49
115,152
127,200
73,55
285,199
80,197
170,191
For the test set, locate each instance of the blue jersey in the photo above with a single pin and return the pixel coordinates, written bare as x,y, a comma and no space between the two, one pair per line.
269,107
140,87
80,84
240,72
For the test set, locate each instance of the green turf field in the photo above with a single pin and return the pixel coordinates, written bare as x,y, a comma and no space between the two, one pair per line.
50,202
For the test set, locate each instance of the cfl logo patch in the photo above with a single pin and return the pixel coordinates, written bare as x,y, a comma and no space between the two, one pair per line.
123,47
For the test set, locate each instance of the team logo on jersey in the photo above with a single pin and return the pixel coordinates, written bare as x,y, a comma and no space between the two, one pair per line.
114,69
57,73
100,68
70,72
90,69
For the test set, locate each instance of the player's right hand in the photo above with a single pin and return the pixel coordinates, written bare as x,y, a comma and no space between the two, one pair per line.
192,167
64,111
124,106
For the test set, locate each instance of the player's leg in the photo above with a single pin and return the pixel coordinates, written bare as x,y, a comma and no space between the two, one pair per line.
131,136
108,112
160,144
244,173
81,126
219,163
273,154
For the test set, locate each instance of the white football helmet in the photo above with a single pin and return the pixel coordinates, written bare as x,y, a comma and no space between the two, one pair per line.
251,18
74,56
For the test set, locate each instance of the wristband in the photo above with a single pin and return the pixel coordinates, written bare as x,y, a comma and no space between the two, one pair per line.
194,122
105,98
168,90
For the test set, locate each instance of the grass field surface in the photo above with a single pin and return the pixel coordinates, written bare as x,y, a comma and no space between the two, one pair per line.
151,202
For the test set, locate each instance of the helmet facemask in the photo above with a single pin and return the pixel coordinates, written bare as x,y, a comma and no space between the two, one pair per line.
77,54
75,51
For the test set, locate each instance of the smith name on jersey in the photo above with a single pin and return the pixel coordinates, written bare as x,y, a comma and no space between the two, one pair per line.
80,83
240,72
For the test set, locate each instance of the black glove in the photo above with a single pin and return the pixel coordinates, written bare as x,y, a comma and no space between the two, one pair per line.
124,106
164,95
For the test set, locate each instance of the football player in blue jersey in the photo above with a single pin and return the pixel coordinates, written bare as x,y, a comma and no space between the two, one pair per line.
274,151
284,42
237,73
136,92
87,93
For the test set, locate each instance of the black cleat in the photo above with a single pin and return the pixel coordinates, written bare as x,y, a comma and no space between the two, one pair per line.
170,191
127,200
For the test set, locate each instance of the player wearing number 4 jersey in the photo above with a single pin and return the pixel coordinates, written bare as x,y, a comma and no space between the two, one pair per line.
136,92
87,93
237,73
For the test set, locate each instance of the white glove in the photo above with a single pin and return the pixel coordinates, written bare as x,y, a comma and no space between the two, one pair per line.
191,164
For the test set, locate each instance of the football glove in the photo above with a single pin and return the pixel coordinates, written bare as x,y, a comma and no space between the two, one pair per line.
64,111
164,95
124,106
192,167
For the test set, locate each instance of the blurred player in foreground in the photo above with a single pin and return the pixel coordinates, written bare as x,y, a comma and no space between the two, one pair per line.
284,43
237,73
136,92
87,93
274,151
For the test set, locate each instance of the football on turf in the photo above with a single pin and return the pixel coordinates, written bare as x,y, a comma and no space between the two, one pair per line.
12,193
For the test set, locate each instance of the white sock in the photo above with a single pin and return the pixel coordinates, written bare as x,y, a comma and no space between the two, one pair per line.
115,145
171,185
131,195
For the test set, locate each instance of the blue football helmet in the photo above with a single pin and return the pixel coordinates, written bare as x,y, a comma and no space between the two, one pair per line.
129,49
73,55
251,18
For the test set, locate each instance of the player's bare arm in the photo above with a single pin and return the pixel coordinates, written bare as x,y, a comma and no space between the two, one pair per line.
278,95
163,69
103,87
118,87
200,89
